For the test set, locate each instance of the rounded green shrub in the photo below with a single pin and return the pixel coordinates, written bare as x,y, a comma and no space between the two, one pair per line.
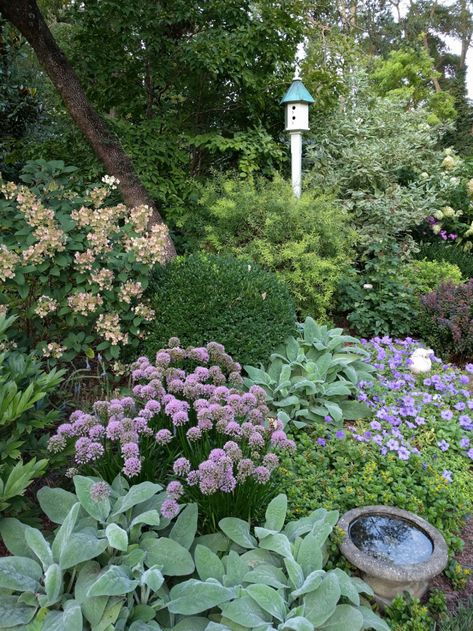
425,276
204,298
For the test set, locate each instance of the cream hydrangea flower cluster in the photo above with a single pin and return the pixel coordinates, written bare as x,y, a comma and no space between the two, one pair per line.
8,262
84,302
108,326
45,305
130,290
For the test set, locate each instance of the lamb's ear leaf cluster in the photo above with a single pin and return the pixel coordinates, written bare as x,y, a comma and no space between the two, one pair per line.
114,565
314,375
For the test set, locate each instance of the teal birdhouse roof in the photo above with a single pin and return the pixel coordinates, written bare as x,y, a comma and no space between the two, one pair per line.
297,92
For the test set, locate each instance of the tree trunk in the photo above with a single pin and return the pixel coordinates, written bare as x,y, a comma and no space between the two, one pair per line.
27,18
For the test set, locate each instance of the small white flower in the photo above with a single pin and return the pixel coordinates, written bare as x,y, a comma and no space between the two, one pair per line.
110,181
424,175
448,212
367,286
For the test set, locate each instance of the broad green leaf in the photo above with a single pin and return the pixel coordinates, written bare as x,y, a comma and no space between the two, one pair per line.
344,617
238,531
136,495
173,559
149,517
299,623
310,556
98,510
310,584
92,608
117,537
185,526
39,545
81,546
63,535
320,604
277,543
353,410
193,623
268,599
152,578
14,614
13,532
347,588
72,616
20,574
266,575
236,569
194,596
56,503
113,581
276,513
208,564
295,572
246,612
372,621
53,584
139,625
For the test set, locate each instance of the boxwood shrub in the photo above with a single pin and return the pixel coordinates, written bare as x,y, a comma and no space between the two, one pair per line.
203,298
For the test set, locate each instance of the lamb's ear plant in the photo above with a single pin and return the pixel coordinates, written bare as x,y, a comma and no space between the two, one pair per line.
106,566
315,376
273,579
115,565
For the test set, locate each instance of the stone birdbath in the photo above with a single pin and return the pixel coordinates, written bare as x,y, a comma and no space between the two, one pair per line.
395,550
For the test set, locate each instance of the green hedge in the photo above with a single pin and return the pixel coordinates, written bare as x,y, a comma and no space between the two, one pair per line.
204,298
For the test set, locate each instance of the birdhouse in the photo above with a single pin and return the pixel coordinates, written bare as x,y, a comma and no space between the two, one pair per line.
296,102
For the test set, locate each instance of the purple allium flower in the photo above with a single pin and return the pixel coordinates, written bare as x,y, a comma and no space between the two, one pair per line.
175,489
130,450
181,466
271,461
194,434
261,474
131,467
163,437
169,508
245,469
99,491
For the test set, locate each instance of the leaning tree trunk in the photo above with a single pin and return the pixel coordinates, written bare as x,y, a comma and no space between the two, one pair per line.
27,18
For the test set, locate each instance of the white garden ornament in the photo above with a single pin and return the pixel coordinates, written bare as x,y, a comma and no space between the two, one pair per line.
420,360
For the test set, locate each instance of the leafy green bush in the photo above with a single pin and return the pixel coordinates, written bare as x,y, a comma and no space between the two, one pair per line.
114,561
202,298
375,153
73,270
307,242
314,376
345,474
24,392
446,319
424,276
377,300
438,251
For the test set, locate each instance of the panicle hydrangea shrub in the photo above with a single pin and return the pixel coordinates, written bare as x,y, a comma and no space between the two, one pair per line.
72,268
188,422
414,414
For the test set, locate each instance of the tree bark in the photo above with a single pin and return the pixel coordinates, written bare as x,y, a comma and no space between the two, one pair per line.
27,18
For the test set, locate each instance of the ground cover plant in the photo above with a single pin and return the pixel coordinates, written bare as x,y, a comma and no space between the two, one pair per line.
72,269
314,376
201,298
186,422
114,561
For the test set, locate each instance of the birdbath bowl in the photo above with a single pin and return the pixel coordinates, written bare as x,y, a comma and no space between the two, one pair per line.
395,550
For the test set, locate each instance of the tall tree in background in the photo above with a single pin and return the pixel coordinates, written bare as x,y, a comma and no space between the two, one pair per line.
27,18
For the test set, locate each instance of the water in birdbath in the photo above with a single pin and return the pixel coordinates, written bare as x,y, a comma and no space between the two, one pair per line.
390,538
